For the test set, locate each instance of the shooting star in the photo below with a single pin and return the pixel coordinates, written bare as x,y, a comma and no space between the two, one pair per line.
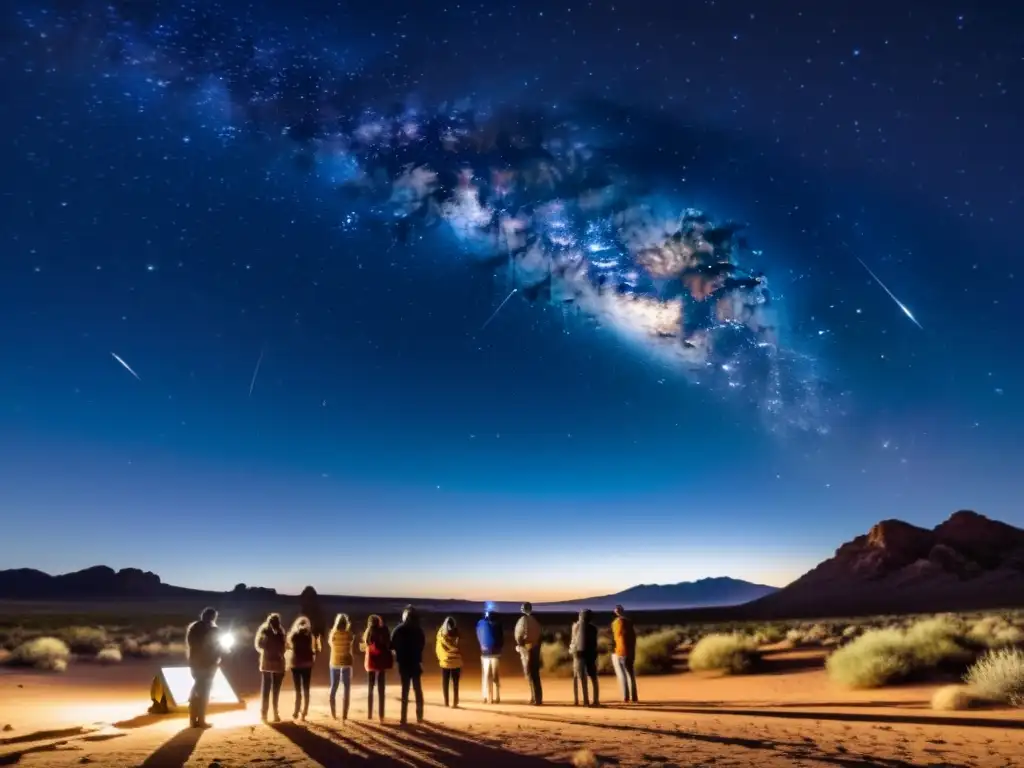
892,295
255,373
496,311
126,366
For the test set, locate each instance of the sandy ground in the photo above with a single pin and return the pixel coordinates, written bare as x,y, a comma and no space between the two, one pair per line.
794,716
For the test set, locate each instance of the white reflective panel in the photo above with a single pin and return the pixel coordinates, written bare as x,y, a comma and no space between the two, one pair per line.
179,683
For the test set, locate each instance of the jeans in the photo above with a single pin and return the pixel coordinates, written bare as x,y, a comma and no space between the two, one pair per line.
301,678
411,678
270,687
341,676
491,679
623,666
531,669
375,678
199,697
582,669
450,677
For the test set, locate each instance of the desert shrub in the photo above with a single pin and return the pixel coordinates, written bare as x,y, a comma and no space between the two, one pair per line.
584,758
876,658
109,655
47,653
142,649
952,698
171,634
999,676
654,653
555,658
996,632
852,631
85,641
768,635
939,642
730,653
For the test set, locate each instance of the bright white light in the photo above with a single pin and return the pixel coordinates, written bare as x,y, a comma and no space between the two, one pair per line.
226,640
179,685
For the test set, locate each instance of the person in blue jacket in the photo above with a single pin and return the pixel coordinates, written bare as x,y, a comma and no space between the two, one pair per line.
489,635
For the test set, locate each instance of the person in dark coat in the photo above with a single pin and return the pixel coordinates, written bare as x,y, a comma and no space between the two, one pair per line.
270,641
408,642
303,646
583,648
203,649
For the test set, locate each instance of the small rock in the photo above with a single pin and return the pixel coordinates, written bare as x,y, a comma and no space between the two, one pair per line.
85,760
8,728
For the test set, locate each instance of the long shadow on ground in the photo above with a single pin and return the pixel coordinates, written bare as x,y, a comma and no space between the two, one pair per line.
176,751
60,745
378,746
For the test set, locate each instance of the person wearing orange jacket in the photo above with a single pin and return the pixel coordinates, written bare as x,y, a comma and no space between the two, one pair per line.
624,654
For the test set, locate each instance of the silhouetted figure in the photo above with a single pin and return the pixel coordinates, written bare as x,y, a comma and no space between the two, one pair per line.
408,642
491,638
271,643
528,644
341,664
449,658
624,654
203,649
303,647
583,648
378,660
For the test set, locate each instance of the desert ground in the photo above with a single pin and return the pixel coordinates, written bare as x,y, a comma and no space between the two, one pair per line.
789,712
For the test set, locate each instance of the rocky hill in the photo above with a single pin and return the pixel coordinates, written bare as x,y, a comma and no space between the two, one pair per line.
968,562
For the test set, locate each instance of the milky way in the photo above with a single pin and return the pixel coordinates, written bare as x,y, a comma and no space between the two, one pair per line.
555,202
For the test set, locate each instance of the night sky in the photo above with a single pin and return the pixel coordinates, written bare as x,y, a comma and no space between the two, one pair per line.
318,391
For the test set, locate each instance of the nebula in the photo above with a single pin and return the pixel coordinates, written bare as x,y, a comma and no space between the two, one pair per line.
553,201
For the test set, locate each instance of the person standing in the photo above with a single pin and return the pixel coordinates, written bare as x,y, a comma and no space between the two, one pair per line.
303,647
583,648
528,644
491,638
202,649
624,654
449,658
340,641
270,642
408,642
378,660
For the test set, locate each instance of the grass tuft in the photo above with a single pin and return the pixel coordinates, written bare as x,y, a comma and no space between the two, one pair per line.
730,653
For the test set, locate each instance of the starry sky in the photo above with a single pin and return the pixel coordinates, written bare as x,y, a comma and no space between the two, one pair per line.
243,342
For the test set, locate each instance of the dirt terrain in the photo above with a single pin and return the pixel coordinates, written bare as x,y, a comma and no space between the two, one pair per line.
791,715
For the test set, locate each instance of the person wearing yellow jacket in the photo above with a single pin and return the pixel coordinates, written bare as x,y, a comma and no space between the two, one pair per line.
624,654
449,657
340,640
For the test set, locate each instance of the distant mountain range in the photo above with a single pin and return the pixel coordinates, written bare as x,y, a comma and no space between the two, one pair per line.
101,582
969,562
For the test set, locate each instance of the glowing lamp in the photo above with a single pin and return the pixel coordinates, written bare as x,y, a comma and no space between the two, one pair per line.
173,685
226,640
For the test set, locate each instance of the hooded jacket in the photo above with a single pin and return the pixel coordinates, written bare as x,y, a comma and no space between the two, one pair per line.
378,650
624,636
584,638
302,649
490,636
271,645
449,655
408,642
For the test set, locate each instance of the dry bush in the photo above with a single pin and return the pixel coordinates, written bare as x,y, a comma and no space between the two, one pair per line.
109,655
996,632
46,653
940,642
953,698
852,631
729,653
555,658
584,758
876,658
768,635
655,652
999,676
85,641
142,649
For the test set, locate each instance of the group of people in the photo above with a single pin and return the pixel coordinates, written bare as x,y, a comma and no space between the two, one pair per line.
296,649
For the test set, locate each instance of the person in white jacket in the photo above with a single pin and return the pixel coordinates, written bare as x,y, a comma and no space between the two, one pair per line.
527,636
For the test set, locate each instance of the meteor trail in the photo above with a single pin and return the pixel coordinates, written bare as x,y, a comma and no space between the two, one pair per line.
126,366
255,373
892,295
496,311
